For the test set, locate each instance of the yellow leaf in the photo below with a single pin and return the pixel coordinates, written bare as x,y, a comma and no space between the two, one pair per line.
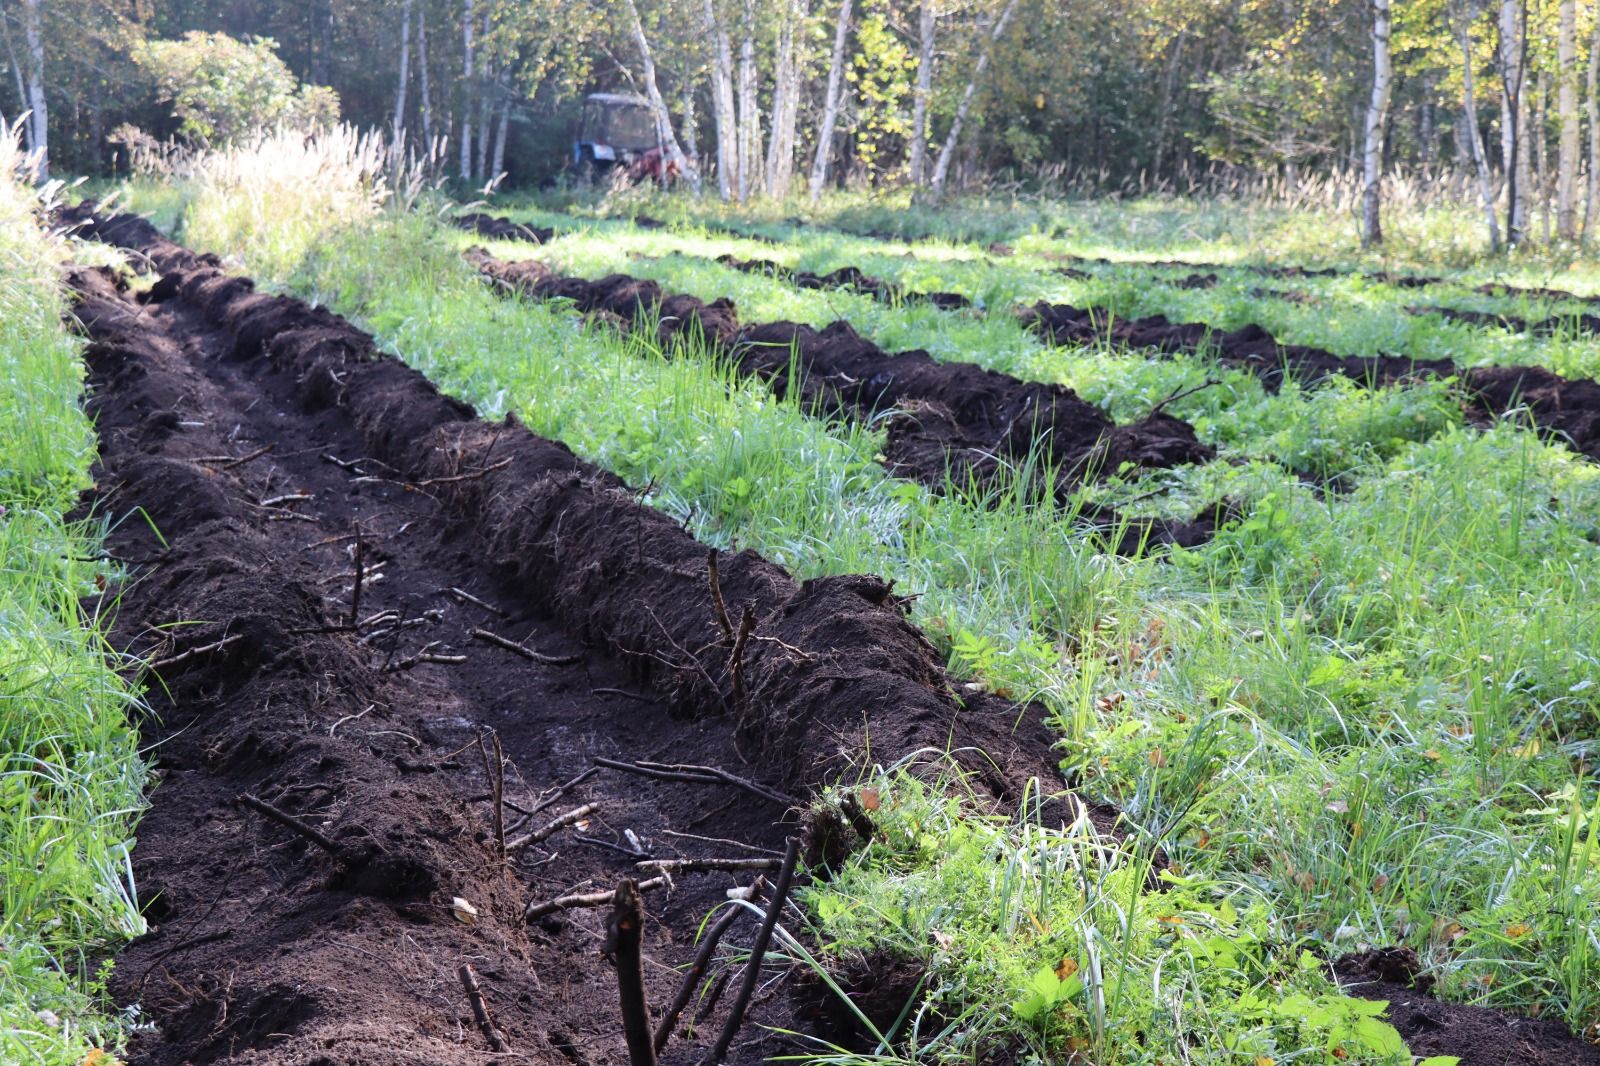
1528,750
96,1057
1518,929
870,799
1156,758
1066,968
1432,754
1264,1060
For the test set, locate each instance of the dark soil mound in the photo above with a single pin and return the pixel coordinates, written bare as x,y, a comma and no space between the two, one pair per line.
1479,1036
501,229
338,539
849,278
1580,324
1568,408
949,422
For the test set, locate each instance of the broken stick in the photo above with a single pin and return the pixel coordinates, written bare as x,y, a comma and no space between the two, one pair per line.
526,652
758,952
577,814
624,943
583,899
697,969
480,1009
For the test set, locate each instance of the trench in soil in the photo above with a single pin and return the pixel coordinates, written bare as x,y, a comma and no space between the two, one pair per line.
278,453
259,435
1565,408
947,422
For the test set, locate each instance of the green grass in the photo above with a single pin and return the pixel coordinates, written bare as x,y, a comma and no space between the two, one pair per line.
1367,718
71,778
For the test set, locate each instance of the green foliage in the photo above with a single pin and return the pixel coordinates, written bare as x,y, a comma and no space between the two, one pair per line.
228,91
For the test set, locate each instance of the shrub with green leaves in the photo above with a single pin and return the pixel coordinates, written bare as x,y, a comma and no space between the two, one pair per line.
226,91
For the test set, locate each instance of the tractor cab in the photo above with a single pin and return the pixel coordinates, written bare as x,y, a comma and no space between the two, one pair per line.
615,129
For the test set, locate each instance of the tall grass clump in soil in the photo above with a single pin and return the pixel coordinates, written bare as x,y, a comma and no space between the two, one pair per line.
1353,719
71,779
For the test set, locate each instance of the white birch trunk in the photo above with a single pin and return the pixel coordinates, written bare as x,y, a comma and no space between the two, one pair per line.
466,90
1592,106
1514,111
830,106
749,115
502,128
422,80
1469,118
1567,113
927,25
399,124
786,100
722,104
658,106
941,169
38,106
1377,115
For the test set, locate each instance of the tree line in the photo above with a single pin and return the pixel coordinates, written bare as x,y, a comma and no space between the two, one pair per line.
773,97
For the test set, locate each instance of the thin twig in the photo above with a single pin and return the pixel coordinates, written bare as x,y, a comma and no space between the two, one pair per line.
718,607
1181,394
624,941
426,482
700,774
288,497
467,597
697,969
228,462
622,692
194,653
523,650
747,622
577,814
497,785
355,598
681,865
535,911
289,821
758,952
426,655
480,1009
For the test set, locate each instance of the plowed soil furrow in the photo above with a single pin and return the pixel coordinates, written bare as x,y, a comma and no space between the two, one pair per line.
279,454
953,421
1566,408
849,279
502,228
1579,324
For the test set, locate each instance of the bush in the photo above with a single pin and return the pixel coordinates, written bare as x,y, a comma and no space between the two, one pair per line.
227,91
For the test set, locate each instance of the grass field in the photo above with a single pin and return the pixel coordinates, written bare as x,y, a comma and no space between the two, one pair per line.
1363,714
71,779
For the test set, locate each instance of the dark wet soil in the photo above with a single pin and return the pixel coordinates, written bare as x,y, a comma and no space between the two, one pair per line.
1567,409
850,279
501,229
1479,1036
280,455
1572,325
947,421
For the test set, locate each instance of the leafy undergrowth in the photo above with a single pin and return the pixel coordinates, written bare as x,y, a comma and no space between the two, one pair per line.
1353,719
71,778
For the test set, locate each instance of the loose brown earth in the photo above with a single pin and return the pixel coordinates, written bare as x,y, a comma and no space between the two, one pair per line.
849,278
948,422
1567,409
1573,325
501,229
276,452
279,456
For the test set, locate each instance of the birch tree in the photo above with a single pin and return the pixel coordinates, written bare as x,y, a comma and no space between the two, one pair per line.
722,103
1469,120
1567,116
658,106
785,99
941,170
1514,115
1592,107
422,81
466,90
927,23
38,106
830,105
1377,115
749,108
399,124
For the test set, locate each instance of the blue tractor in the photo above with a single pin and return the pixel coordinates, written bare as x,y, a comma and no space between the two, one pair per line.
617,130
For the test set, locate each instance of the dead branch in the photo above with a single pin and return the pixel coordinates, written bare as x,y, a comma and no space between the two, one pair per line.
577,814
289,821
758,952
426,655
747,622
718,607
624,937
497,784
699,774
467,597
454,478
681,865
480,1009
524,651
228,462
194,653
1181,394
535,911
697,969
355,598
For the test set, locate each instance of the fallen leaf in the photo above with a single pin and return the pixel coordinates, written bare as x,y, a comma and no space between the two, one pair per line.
1339,807
465,912
1156,758
870,799
1066,968
1518,929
